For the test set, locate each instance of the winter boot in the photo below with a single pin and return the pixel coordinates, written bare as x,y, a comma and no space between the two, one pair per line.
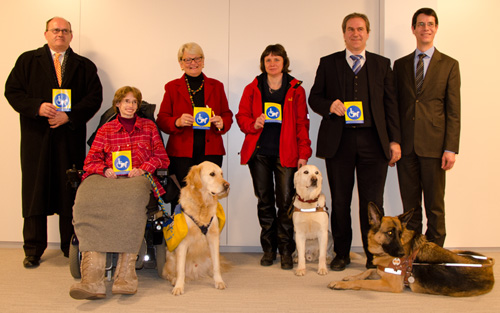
125,278
92,285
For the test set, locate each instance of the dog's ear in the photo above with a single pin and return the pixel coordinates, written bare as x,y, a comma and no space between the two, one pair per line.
296,178
405,217
193,177
374,215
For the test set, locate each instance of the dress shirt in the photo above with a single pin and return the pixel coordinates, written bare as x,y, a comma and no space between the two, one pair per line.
351,61
426,59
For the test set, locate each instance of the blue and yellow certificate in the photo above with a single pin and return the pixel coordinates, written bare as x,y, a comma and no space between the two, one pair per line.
273,112
354,113
61,98
201,118
122,162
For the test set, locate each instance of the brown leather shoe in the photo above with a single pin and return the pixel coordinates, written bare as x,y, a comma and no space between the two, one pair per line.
286,262
31,261
268,259
340,263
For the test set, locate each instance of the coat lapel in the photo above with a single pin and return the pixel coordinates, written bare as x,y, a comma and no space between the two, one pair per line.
46,63
183,91
340,70
432,69
409,72
70,67
208,89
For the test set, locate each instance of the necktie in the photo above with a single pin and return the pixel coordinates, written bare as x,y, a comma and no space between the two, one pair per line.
419,77
57,65
357,63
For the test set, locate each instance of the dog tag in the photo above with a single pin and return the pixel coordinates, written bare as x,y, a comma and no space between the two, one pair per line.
411,279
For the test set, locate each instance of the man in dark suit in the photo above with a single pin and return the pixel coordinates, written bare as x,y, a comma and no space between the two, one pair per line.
52,140
361,137
429,104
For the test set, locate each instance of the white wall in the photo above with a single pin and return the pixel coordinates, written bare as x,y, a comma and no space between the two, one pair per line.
135,43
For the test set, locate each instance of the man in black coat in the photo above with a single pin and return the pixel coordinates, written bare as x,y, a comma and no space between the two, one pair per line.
359,133
51,140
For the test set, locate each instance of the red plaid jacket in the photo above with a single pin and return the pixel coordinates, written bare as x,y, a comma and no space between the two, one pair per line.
144,142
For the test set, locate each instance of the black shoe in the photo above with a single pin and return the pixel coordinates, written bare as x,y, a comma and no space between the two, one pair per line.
268,259
340,263
286,262
31,261
369,264
66,253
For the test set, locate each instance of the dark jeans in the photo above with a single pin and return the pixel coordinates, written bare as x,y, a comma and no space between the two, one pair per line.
273,187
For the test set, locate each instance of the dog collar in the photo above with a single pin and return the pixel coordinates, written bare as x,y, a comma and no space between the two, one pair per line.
402,266
313,210
203,228
307,201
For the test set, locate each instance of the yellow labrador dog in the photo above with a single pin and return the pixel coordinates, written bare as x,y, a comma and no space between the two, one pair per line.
310,216
198,254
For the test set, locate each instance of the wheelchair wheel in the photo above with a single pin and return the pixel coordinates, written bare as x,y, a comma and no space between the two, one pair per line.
74,258
139,264
161,250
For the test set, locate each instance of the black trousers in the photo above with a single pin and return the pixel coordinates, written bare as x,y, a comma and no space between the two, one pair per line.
35,234
416,175
273,187
359,152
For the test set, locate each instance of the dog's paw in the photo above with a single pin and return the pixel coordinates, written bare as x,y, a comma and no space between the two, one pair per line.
300,272
177,291
336,285
171,279
322,271
349,278
220,285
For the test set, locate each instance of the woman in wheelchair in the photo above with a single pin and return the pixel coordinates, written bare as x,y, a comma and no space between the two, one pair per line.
109,214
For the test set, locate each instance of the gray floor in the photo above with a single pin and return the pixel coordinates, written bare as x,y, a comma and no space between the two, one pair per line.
250,288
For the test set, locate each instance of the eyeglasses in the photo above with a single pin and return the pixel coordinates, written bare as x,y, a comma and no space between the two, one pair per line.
56,31
128,101
189,60
429,24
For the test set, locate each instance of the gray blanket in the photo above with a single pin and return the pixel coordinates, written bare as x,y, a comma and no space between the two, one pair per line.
109,215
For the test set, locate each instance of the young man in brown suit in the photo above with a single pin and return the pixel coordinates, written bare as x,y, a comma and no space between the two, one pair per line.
428,88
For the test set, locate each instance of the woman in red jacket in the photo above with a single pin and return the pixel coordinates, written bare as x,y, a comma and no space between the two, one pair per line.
276,144
187,144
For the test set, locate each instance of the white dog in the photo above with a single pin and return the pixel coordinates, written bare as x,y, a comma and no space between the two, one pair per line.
197,255
310,216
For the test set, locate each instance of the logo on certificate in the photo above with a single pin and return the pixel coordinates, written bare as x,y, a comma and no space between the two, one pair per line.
122,162
354,113
61,98
273,112
201,118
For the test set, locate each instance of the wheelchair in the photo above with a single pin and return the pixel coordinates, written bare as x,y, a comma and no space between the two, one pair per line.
153,248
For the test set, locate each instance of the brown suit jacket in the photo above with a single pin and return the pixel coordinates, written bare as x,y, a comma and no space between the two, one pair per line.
430,123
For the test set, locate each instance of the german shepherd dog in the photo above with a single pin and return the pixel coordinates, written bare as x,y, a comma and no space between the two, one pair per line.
404,258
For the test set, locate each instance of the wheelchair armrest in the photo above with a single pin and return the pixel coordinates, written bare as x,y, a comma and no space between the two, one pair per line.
161,173
74,176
